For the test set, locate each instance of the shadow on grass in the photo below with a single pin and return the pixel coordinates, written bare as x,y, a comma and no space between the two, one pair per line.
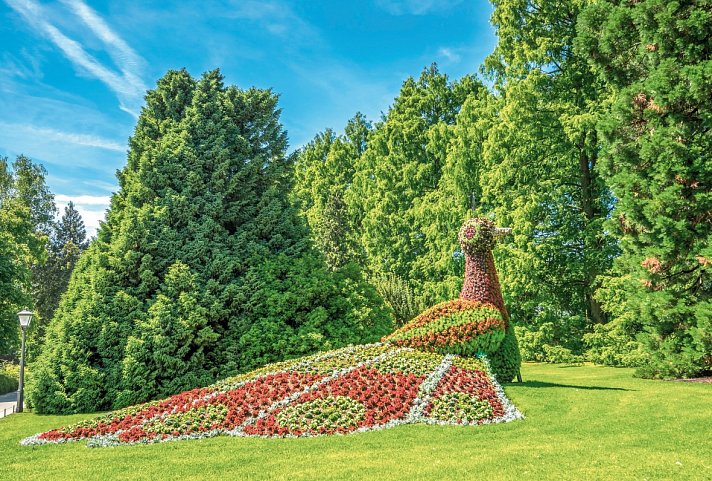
566,386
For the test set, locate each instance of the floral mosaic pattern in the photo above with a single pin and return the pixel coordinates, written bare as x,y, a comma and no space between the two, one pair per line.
354,389
459,326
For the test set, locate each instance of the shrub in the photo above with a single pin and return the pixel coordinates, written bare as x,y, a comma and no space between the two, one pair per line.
399,295
609,345
9,377
541,345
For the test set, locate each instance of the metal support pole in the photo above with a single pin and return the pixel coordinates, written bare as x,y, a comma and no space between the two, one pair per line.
20,394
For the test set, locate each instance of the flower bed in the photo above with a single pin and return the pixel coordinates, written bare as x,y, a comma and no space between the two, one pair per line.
354,389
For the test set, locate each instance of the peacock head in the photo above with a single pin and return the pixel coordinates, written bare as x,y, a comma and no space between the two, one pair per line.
479,235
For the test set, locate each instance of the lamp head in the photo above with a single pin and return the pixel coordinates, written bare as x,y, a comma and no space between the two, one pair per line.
25,317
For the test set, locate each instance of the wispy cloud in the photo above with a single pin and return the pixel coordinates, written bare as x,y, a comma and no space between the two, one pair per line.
27,67
449,55
102,200
102,185
126,83
416,7
276,17
67,137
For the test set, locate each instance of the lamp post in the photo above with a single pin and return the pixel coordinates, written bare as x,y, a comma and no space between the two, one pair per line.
25,317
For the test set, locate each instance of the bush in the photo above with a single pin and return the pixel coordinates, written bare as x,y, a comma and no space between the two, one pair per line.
609,345
399,295
9,377
541,345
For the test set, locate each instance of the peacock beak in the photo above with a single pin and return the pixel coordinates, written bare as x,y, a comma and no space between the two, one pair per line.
500,232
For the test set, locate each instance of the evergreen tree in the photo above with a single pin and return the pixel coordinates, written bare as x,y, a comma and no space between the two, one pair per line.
324,172
654,57
200,258
49,280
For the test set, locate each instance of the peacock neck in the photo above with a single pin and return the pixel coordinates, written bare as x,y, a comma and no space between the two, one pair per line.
481,281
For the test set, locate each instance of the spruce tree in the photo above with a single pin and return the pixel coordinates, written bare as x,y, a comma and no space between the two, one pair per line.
655,58
49,280
202,268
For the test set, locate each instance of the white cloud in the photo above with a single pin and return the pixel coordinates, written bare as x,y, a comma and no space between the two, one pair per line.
126,84
26,67
67,137
449,55
84,199
91,208
415,7
102,185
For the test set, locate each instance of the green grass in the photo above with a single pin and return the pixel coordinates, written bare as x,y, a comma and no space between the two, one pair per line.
583,423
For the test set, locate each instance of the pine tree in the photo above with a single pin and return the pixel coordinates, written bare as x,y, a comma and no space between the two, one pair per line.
654,56
200,257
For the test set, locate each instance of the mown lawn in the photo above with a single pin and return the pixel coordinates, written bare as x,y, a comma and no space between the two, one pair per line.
583,423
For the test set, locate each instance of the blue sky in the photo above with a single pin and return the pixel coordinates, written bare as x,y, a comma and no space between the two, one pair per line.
73,73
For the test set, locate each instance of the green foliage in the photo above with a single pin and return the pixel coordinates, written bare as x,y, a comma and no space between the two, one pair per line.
301,309
323,172
167,350
506,361
395,218
399,296
395,190
609,345
539,174
9,377
67,240
654,57
202,269
541,344
25,210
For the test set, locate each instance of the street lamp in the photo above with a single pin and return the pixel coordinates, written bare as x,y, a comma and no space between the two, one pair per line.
25,317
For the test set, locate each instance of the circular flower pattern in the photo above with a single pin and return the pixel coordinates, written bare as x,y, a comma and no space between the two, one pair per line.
331,413
460,407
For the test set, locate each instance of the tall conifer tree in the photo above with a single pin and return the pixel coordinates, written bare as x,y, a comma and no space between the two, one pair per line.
655,56
202,269
539,173
66,242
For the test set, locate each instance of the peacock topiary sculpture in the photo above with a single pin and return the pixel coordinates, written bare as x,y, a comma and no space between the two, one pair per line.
478,321
433,370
